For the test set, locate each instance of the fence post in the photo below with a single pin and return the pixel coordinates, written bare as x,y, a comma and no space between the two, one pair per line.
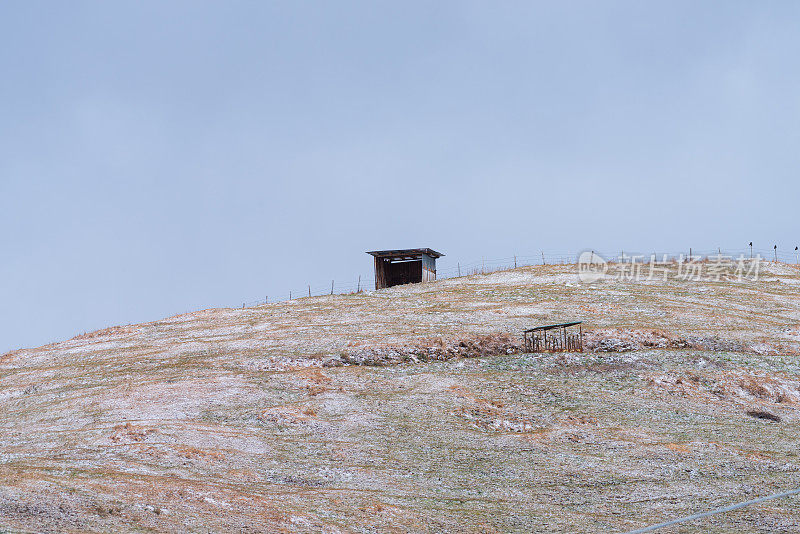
458,264
290,295
266,299
358,287
331,287
543,257
515,261
309,290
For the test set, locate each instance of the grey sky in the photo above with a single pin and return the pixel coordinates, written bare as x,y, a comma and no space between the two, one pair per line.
157,158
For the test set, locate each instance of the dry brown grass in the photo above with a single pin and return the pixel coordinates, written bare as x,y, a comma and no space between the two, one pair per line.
225,421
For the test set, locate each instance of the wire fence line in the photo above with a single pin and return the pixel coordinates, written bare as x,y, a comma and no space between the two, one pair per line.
491,265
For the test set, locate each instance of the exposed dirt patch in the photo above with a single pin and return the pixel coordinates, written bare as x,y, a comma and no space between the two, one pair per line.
732,387
431,350
288,415
493,415
626,340
194,453
599,340
127,432
761,414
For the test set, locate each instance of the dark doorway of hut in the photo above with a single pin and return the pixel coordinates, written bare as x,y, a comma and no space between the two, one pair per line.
404,266
554,338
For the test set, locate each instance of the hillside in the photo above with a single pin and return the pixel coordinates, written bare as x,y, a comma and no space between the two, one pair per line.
259,419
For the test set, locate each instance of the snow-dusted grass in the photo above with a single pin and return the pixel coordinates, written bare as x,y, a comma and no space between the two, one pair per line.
223,419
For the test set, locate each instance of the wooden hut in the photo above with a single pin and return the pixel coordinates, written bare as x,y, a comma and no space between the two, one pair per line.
407,266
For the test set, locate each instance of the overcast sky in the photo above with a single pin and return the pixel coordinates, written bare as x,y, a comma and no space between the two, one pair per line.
162,157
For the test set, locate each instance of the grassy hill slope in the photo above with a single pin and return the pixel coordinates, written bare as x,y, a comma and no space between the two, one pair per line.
230,419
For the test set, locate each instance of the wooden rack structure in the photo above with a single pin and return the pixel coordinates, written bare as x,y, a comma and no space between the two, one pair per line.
554,338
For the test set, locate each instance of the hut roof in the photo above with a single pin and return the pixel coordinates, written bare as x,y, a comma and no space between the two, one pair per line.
406,254
551,326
